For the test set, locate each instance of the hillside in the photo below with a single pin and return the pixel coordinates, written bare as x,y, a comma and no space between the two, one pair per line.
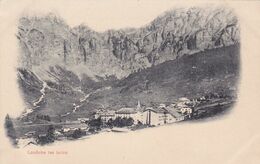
192,76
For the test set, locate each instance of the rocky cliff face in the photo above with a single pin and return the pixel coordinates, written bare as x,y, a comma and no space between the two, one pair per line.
49,41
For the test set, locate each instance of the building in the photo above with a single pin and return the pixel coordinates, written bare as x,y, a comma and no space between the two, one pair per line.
158,116
83,120
105,115
185,110
133,113
150,116
185,106
175,114
162,115
183,102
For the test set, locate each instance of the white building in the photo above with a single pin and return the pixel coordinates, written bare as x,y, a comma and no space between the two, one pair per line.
161,115
185,110
105,115
136,115
150,116
183,106
158,116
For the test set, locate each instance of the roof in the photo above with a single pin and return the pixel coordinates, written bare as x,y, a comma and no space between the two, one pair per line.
161,110
108,113
183,99
126,111
105,112
157,110
174,113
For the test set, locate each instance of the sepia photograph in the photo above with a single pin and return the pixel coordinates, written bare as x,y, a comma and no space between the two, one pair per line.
149,77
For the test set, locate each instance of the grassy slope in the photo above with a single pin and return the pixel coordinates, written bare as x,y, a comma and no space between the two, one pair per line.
194,75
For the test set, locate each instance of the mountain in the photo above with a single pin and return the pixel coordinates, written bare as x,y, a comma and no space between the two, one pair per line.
68,72
49,41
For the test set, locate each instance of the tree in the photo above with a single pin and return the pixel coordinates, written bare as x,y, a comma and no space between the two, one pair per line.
122,122
48,138
43,117
129,121
95,123
10,129
78,133
110,122
117,122
50,132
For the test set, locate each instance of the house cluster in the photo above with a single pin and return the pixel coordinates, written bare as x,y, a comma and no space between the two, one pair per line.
152,116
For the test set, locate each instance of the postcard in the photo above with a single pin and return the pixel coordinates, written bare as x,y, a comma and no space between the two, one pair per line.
129,81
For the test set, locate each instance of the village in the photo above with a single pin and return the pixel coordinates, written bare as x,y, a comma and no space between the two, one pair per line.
150,116
123,120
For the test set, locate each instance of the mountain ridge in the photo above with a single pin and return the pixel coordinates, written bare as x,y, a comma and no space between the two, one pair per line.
48,41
